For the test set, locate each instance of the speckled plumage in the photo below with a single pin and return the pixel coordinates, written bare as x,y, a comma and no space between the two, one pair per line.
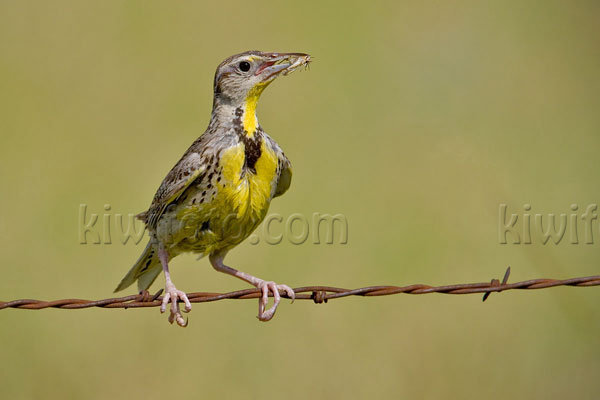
221,188
196,220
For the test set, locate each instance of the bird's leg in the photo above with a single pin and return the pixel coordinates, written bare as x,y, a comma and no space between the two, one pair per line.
264,286
171,292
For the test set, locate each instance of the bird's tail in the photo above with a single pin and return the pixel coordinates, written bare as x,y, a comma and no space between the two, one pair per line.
145,270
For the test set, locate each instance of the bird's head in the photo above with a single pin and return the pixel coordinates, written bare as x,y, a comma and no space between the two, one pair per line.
241,78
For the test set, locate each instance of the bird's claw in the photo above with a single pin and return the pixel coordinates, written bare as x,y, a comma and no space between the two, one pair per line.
179,318
265,287
174,296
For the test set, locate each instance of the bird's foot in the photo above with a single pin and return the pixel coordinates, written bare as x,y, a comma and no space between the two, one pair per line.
173,295
265,287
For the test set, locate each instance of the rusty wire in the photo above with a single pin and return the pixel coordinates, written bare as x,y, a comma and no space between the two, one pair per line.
319,294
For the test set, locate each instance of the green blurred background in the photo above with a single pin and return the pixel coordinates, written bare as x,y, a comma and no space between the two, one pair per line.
416,120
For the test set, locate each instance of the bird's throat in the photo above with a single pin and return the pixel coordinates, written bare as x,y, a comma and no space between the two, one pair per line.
249,120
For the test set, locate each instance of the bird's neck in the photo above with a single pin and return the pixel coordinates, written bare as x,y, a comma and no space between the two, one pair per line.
241,114
249,120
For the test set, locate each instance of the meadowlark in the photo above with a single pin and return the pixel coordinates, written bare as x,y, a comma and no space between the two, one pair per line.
221,188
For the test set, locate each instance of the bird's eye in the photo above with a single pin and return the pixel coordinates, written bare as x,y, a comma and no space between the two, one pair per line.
245,66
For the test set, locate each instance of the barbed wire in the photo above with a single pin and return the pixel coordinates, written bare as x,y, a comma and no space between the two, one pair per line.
318,294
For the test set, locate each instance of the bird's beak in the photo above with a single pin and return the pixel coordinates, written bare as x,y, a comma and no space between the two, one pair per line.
277,63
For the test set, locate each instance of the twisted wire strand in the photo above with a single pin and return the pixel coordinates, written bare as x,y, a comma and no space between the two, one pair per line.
319,294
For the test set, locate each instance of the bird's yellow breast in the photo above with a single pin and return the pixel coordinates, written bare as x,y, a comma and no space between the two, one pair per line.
241,201
248,191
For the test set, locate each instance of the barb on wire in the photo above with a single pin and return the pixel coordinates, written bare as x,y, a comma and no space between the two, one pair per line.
319,294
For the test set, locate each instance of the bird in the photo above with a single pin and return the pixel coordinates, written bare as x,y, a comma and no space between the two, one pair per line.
220,190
